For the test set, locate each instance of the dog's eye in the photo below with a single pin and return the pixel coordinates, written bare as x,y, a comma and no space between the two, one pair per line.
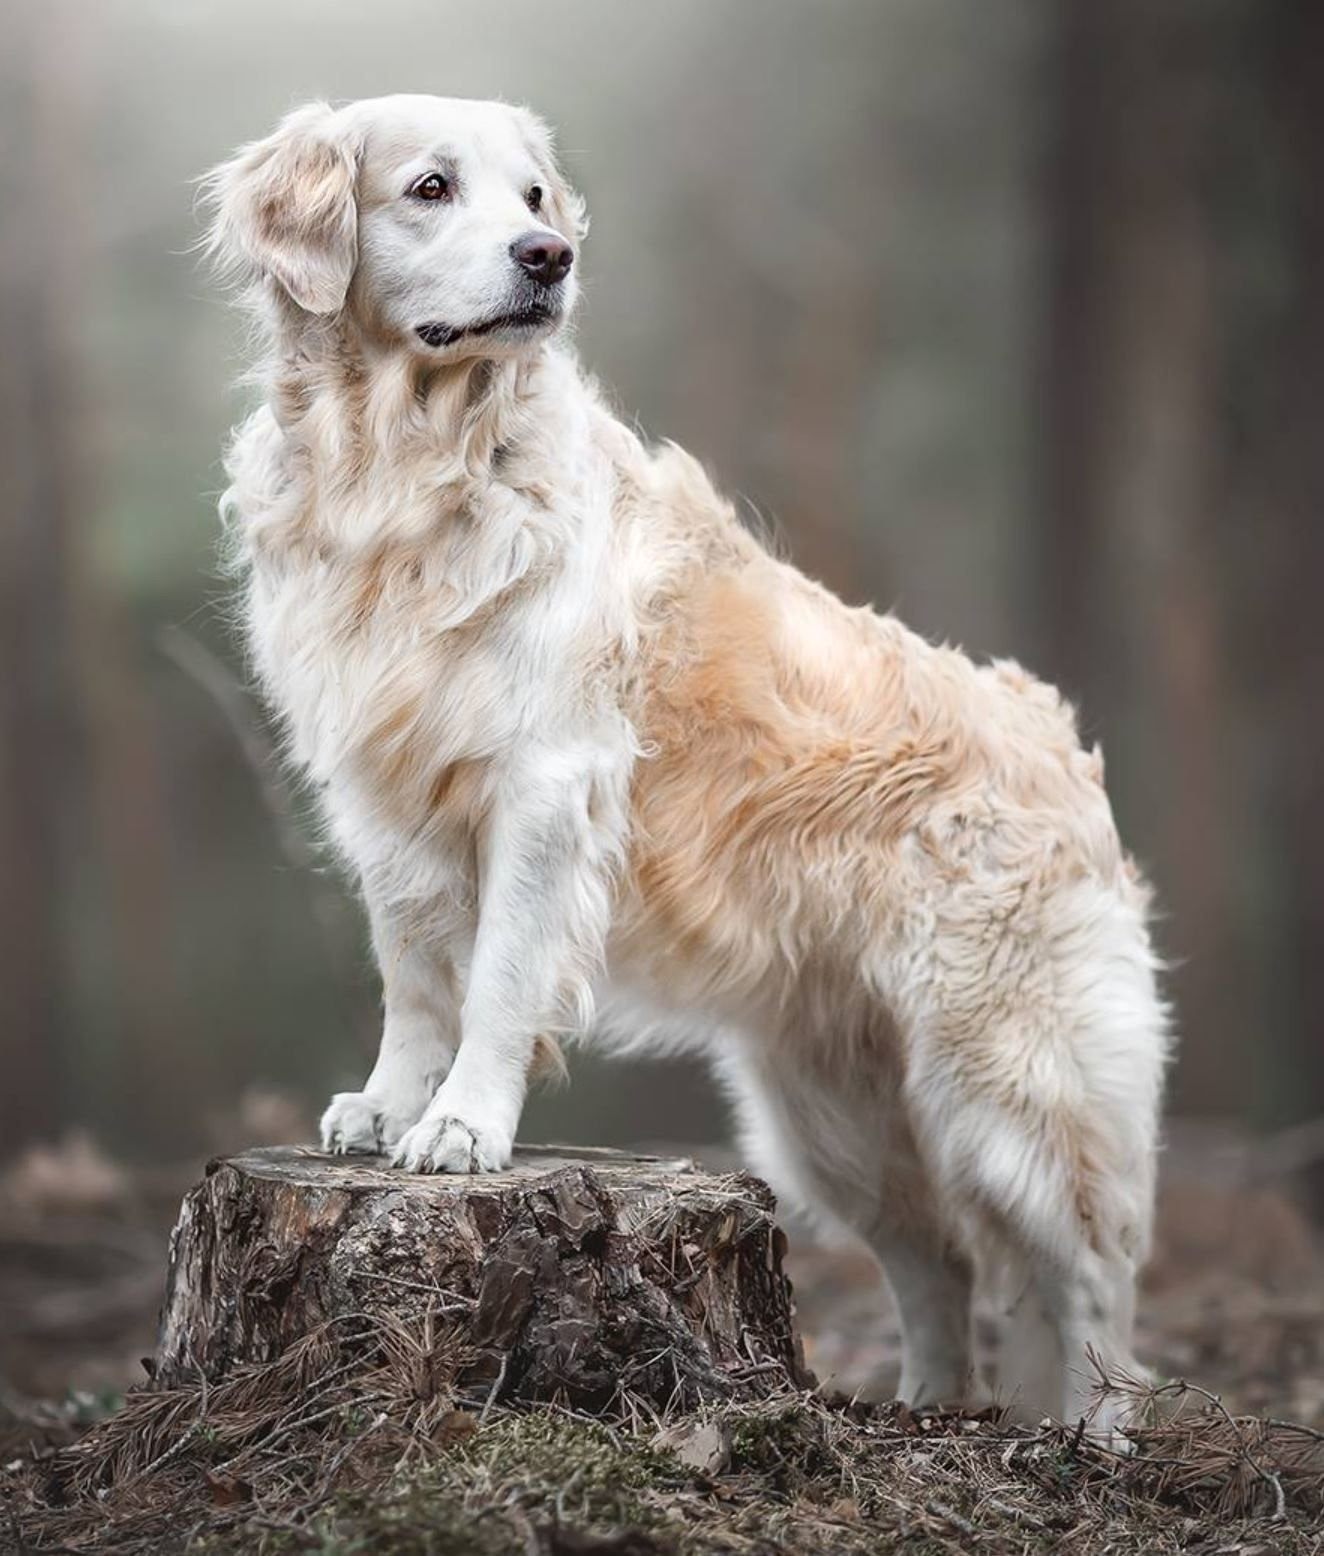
432,186
533,199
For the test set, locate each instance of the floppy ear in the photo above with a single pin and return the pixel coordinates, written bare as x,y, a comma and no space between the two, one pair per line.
284,207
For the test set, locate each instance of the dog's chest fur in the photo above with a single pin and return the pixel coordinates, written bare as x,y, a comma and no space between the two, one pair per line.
428,625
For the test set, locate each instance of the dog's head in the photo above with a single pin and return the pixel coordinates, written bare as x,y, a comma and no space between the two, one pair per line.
441,224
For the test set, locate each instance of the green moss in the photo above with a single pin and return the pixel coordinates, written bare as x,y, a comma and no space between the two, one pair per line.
481,1498
785,1446
800,1475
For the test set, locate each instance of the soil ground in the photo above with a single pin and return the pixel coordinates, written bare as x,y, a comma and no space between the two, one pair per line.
1233,1303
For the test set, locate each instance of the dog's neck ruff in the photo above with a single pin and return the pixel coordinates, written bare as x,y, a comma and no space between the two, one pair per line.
360,456
356,410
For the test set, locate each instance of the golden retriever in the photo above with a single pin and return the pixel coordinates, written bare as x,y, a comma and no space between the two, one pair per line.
596,758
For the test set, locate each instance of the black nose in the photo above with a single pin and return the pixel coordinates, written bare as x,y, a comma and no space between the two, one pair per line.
546,257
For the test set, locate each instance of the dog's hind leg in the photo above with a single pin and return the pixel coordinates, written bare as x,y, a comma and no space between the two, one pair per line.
844,1153
930,1276
1038,1110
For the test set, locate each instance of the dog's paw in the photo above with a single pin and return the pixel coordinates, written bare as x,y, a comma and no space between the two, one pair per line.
450,1144
1111,1419
356,1121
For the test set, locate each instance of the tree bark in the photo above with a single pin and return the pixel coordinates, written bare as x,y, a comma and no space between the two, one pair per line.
577,1275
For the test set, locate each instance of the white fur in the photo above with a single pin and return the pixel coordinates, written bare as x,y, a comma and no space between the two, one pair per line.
584,745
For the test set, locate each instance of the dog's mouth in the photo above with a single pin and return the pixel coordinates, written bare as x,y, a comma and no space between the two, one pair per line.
529,318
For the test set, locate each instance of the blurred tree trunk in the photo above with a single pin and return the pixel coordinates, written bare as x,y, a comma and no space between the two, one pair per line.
123,818
1129,475
40,745
1290,661
36,745
82,820
829,352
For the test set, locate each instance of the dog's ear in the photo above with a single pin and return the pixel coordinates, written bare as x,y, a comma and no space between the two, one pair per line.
285,207
565,208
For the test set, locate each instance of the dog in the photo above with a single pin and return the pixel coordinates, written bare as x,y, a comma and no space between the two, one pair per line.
597,760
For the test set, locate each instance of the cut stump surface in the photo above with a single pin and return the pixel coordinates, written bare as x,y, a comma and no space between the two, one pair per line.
577,1275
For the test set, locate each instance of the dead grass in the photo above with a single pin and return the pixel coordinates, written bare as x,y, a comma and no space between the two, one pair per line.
356,1441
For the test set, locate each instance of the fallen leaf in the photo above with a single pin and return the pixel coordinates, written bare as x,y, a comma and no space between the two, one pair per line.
704,1445
456,1426
227,1490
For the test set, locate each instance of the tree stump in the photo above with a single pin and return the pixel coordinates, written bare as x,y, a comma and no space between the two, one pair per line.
577,1275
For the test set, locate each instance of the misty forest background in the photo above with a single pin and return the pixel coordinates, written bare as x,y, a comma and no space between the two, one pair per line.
1009,316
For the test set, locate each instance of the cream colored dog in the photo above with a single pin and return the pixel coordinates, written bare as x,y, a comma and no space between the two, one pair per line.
595,756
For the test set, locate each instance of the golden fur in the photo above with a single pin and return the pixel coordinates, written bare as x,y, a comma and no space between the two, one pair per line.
591,752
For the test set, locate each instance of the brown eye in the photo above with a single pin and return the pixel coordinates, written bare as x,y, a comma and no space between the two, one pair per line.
534,198
432,186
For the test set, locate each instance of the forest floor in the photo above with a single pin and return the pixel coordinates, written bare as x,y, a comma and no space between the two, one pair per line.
351,1443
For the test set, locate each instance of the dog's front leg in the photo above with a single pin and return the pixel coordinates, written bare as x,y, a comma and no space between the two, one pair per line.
545,876
416,952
